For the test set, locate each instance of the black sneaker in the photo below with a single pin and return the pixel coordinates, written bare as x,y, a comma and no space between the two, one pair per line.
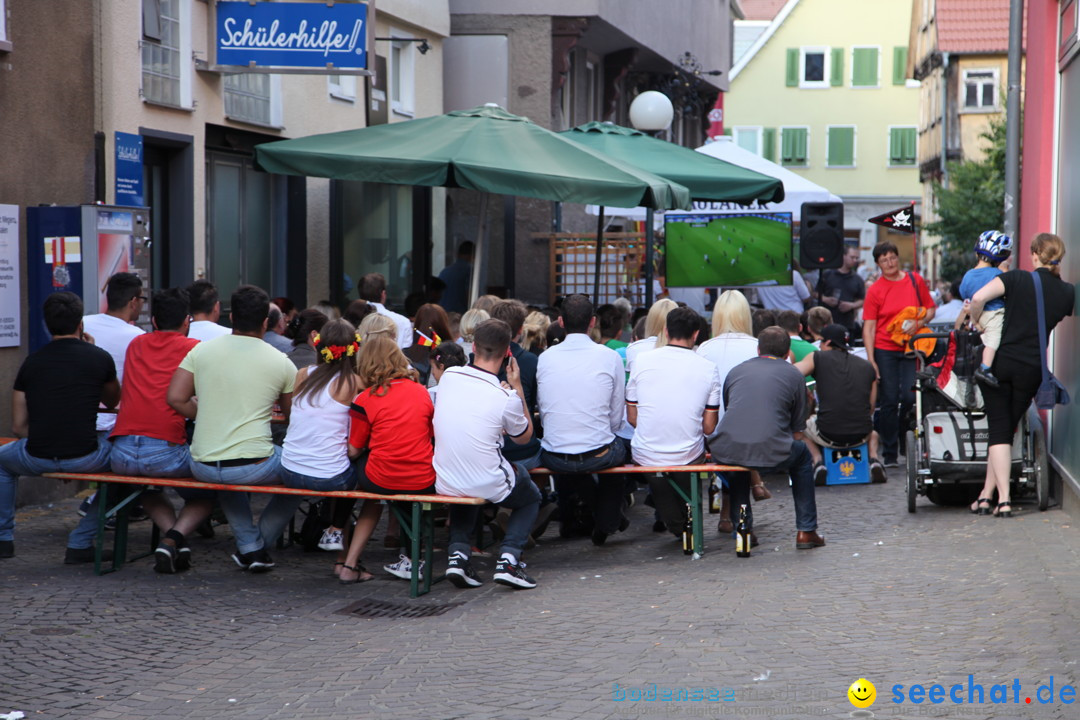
165,559
986,377
257,561
7,548
821,475
183,558
460,572
511,575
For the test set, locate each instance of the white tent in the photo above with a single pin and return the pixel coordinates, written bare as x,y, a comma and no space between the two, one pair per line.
797,189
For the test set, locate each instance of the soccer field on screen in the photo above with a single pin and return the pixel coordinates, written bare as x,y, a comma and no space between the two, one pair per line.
728,250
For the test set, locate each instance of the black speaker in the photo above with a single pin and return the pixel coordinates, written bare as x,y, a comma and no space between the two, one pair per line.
821,235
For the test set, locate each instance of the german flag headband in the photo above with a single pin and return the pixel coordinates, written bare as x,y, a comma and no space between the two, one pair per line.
330,353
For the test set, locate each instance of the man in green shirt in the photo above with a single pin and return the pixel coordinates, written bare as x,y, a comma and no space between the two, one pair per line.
789,320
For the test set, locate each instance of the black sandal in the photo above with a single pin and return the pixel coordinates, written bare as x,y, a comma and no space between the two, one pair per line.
979,509
998,512
359,570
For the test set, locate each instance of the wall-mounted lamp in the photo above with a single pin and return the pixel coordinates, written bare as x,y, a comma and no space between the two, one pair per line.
423,47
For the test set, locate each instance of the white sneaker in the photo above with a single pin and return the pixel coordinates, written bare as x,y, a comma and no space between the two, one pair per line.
331,540
403,568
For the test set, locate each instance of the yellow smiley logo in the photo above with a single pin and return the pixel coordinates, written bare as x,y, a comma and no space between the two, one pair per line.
862,693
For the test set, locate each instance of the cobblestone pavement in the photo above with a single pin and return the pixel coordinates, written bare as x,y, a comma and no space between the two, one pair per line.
895,598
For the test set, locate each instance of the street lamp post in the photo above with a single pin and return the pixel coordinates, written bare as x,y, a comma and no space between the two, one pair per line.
650,112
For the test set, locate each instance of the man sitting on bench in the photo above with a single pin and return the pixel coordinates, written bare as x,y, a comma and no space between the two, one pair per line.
54,408
149,439
471,415
673,401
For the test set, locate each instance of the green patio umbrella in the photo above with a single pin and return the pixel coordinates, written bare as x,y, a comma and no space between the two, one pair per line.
706,177
486,149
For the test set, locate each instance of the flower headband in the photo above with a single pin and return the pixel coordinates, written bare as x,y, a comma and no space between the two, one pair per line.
330,353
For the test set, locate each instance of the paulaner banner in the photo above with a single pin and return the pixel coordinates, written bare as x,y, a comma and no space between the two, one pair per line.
291,35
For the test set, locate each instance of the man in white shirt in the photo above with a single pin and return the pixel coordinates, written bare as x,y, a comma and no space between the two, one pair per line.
952,304
373,289
673,401
113,330
473,412
205,311
580,392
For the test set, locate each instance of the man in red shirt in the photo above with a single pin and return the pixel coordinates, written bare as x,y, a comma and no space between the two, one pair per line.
150,438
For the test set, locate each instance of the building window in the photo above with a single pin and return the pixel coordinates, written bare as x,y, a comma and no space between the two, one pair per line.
253,98
5,44
794,145
342,87
902,146
165,42
981,89
748,138
865,67
814,67
402,73
840,146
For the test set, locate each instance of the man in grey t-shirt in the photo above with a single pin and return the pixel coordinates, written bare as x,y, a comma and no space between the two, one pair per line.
764,416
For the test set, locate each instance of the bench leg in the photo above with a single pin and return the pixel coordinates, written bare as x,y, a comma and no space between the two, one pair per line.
120,534
429,545
693,504
414,527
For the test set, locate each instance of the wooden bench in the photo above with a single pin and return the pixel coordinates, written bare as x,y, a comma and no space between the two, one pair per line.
416,521
693,501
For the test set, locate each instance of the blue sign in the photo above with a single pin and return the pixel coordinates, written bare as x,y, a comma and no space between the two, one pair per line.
129,169
296,35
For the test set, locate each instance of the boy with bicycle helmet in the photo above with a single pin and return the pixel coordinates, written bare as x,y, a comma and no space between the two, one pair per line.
992,249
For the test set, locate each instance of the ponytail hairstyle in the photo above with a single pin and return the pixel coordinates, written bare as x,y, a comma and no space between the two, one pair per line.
381,362
336,347
303,324
448,355
1050,250
656,320
375,324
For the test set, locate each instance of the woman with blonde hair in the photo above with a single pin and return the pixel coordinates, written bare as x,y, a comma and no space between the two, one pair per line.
376,324
534,332
485,303
390,434
732,343
469,321
1018,364
655,336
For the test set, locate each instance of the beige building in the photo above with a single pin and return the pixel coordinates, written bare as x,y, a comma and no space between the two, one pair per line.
959,55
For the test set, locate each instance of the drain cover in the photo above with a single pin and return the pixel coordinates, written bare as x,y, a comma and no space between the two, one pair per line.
381,609
52,631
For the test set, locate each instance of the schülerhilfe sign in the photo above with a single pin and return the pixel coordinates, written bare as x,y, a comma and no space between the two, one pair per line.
292,35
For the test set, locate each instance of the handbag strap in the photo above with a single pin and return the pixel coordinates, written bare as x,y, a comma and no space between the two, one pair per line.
1040,309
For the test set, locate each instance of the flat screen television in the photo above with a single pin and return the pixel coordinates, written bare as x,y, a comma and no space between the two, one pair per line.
729,249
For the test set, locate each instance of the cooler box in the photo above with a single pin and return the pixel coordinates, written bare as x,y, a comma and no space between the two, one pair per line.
850,466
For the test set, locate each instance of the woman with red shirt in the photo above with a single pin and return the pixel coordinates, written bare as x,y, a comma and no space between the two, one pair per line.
390,432
890,295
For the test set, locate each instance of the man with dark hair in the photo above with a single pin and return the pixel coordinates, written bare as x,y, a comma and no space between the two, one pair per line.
842,291
792,323
205,308
513,313
275,323
761,319
373,289
54,407
238,379
457,276
764,416
149,438
952,303
472,413
673,401
611,321
580,388
114,329
847,393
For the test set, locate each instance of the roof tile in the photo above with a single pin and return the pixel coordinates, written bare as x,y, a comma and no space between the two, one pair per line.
762,9
973,26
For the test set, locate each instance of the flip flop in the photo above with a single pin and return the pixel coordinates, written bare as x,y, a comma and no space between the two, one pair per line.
360,571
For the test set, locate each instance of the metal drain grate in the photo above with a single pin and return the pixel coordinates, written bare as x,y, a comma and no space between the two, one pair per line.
381,609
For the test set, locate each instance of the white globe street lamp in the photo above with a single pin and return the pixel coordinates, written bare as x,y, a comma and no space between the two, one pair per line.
651,111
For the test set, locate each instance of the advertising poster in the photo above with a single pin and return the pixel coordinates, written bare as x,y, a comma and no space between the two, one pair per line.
10,327
114,255
129,169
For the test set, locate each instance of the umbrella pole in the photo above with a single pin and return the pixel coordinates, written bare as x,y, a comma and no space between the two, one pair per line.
599,253
479,253
648,256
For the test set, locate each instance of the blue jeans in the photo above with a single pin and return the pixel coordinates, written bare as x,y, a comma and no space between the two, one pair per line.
607,495
15,461
149,457
799,467
896,396
523,502
237,505
279,511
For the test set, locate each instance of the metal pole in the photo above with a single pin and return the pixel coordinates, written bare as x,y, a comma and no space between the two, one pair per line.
648,256
479,270
1013,119
599,253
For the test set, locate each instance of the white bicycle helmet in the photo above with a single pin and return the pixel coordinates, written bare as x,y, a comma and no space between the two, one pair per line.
994,245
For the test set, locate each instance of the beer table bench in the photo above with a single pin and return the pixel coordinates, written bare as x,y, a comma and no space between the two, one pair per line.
114,499
693,501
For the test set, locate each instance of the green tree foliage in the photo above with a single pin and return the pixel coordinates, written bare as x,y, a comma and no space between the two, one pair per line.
973,202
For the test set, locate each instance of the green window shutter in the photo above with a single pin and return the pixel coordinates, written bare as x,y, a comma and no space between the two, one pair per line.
793,146
902,146
899,65
801,149
909,138
792,79
841,147
785,146
727,131
836,78
865,72
768,144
